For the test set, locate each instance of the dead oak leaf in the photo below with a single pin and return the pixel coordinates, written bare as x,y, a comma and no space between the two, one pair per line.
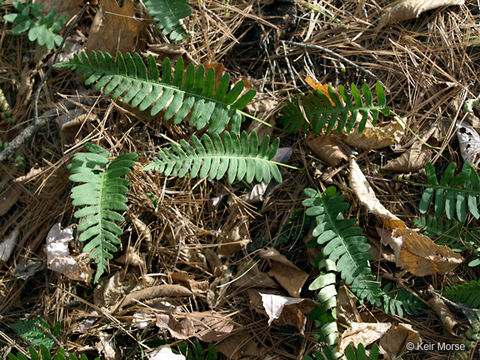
411,160
378,137
114,28
329,148
410,9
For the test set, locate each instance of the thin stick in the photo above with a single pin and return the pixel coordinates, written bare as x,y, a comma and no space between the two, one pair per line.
38,122
331,52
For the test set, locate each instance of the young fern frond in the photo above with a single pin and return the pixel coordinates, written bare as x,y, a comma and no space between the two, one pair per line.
167,14
319,110
187,91
454,193
42,29
467,293
237,157
342,243
101,197
44,354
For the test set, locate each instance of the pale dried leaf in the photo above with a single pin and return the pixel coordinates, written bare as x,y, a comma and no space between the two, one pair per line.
329,148
285,272
239,346
154,292
68,7
114,28
144,233
347,311
112,289
25,270
410,9
411,160
393,342
469,141
444,314
59,259
165,353
106,346
197,287
8,198
377,137
275,304
131,257
362,333
7,245
235,233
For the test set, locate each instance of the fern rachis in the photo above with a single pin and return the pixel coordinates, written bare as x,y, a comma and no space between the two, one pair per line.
102,197
187,91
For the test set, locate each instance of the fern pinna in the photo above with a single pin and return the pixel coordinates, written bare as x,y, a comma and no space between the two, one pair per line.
44,354
238,157
467,293
167,14
342,243
187,91
454,193
319,109
101,197
42,29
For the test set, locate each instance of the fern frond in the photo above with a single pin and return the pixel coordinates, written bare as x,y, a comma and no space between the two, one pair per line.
101,198
237,157
342,243
44,354
187,91
360,354
467,293
397,301
319,110
454,193
167,14
471,339
40,28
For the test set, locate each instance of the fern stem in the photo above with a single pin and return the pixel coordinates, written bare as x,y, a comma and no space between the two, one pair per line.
413,133
258,120
287,166
443,187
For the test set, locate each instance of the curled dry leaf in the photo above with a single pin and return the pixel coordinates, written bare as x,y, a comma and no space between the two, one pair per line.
287,309
413,251
112,289
285,272
410,9
144,233
59,259
469,141
165,353
411,160
444,314
131,257
208,326
235,232
8,198
393,343
114,28
107,347
7,245
197,287
377,137
155,292
239,346
329,148
362,333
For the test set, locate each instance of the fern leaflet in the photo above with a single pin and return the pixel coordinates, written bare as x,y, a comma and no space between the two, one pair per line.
342,243
188,91
454,193
343,112
167,14
238,157
101,198
44,354
40,28
467,293
470,339
397,301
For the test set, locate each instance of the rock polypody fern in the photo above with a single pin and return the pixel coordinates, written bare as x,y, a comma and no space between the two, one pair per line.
319,110
167,14
236,156
101,197
187,91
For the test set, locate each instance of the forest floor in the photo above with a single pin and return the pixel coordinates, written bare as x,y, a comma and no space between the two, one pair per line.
197,254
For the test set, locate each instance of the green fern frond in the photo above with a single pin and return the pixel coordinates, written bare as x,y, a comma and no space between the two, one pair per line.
42,29
360,354
342,243
101,198
471,339
454,193
467,293
187,91
44,354
237,157
167,14
319,110
397,301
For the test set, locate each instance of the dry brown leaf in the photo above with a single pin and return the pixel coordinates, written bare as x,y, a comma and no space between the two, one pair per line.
144,233
208,326
469,141
235,232
362,333
377,137
154,292
68,7
131,257
285,272
8,198
413,251
106,346
410,9
112,289
444,314
197,287
394,342
328,148
411,160
347,311
114,28
240,346
254,278
59,259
